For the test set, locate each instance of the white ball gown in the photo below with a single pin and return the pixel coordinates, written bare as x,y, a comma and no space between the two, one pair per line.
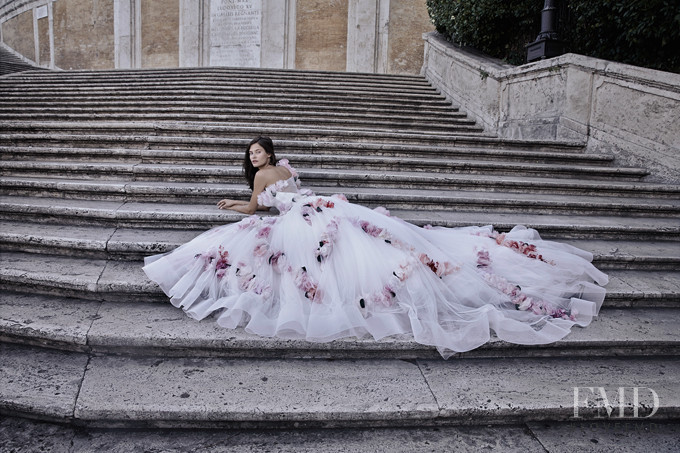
325,268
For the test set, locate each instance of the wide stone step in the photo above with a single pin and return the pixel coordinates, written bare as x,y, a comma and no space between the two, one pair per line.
608,435
111,280
228,88
56,136
212,74
209,134
125,74
117,391
328,169
434,109
367,123
297,99
134,244
381,193
211,192
230,108
201,216
161,330
323,155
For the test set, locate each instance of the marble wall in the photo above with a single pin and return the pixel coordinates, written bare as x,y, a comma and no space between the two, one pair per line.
383,36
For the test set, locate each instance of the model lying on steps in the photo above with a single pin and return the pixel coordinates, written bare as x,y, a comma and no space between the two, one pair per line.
325,268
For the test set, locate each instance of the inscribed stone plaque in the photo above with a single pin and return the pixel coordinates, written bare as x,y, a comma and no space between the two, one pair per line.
235,32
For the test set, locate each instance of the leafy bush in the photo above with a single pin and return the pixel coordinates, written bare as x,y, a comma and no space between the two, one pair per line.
500,28
639,32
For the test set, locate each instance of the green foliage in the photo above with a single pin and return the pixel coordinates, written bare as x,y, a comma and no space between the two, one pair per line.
639,32
500,28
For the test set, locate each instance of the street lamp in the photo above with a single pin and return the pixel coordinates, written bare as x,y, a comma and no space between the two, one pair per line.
547,44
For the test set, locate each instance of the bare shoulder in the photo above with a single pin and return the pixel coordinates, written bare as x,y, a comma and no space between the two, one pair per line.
271,175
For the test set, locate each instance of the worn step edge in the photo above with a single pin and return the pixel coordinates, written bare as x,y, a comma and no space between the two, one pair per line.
70,132
163,215
478,201
417,157
113,391
373,168
100,279
159,131
131,244
133,328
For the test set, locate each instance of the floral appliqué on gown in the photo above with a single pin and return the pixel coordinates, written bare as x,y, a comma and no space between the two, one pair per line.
325,269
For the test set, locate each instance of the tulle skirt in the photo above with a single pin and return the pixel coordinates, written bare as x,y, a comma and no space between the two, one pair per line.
328,269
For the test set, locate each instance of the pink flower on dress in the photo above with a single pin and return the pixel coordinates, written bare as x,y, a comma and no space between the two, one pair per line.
441,269
307,286
261,249
276,260
248,222
321,203
327,240
222,263
524,248
483,258
427,227
264,232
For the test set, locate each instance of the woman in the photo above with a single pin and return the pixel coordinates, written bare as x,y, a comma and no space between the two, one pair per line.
325,269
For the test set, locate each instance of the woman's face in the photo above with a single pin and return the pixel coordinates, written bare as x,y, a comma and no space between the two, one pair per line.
258,156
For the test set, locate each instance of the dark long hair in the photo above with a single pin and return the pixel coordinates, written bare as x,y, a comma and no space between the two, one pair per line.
248,169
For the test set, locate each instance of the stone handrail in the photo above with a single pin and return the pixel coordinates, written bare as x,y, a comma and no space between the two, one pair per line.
626,110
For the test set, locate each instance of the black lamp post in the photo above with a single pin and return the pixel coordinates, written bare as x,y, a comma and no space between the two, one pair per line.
547,43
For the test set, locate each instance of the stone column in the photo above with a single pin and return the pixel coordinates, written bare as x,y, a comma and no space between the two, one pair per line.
191,33
276,18
127,34
50,18
361,35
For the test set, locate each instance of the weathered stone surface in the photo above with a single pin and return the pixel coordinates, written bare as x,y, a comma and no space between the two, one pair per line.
522,389
83,34
406,440
224,392
73,240
18,435
160,34
570,96
55,321
17,33
626,436
235,33
125,278
41,381
44,41
321,35
408,18
51,273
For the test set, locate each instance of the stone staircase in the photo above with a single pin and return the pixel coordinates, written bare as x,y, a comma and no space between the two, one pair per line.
10,63
100,169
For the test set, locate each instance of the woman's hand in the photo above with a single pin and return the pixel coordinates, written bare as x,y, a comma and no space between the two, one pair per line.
228,204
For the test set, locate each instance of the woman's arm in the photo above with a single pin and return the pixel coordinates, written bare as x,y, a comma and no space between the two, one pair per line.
251,206
228,203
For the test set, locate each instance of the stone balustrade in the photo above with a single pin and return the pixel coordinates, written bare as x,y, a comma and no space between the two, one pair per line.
626,110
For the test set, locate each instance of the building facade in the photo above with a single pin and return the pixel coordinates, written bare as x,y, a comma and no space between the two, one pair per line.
378,36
